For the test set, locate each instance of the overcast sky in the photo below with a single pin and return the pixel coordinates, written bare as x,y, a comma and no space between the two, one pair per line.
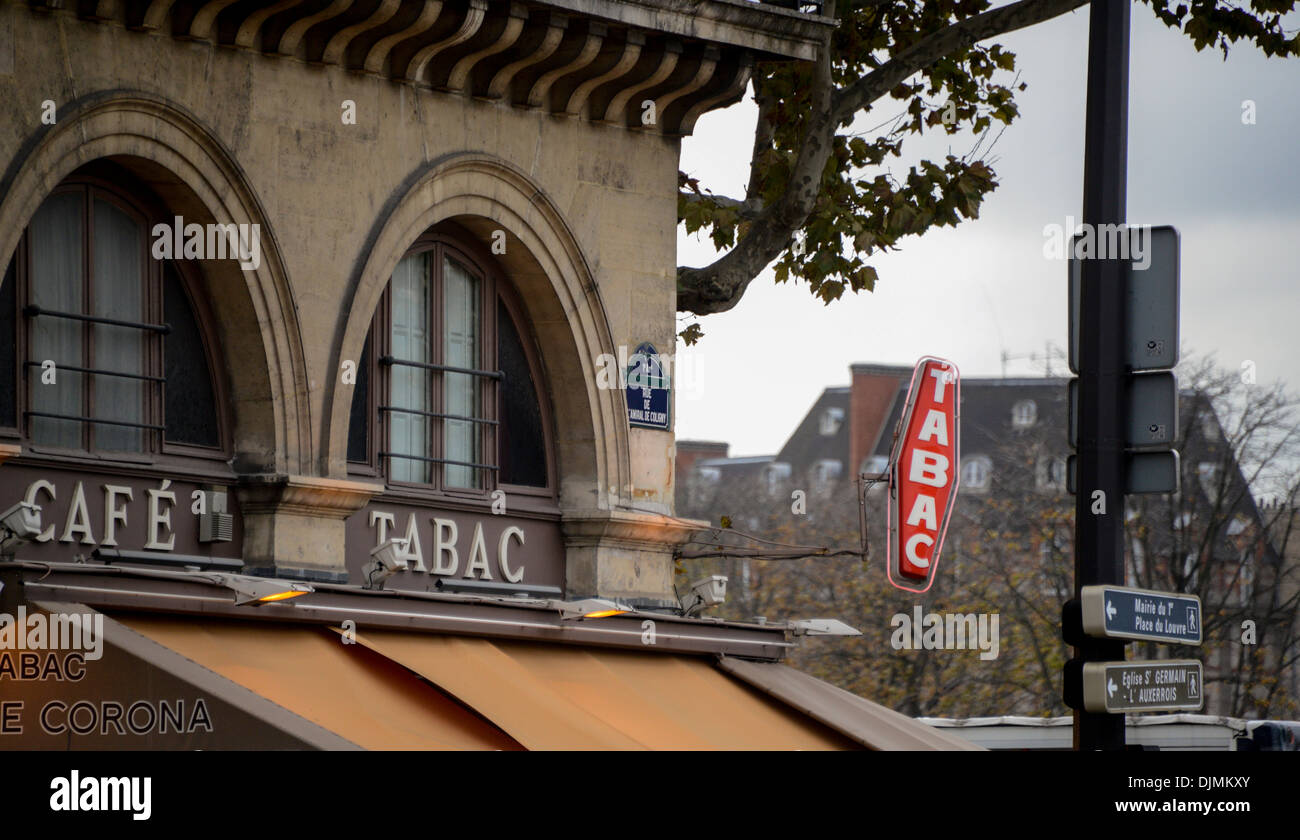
969,294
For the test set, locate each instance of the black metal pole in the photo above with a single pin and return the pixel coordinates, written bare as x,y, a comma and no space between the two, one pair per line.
1099,537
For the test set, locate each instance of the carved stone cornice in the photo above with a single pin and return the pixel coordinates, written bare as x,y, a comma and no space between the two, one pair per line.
628,529
651,65
303,495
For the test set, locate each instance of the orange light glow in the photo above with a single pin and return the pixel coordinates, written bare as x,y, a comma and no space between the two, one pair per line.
283,596
604,613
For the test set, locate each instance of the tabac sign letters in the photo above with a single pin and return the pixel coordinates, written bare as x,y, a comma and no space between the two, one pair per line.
923,472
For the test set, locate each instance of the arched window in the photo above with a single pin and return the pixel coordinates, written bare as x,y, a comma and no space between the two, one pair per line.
446,395
108,355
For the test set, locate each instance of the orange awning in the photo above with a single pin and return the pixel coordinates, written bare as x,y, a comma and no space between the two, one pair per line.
870,724
561,697
346,689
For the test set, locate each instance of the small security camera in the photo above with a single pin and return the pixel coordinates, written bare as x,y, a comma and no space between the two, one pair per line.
708,592
19,525
386,559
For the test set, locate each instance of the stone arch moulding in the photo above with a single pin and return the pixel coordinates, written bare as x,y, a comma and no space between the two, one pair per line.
545,263
200,180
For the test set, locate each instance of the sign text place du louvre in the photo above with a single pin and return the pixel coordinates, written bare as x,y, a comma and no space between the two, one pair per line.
1118,612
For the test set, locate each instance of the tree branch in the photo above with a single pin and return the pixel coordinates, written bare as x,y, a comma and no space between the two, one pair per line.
937,45
762,141
719,286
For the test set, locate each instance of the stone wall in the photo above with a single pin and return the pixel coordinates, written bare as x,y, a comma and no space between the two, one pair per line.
231,135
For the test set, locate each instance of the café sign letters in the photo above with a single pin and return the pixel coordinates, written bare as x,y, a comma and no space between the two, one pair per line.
81,511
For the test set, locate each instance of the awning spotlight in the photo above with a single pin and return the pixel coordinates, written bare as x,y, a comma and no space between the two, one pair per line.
823,627
590,608
255,591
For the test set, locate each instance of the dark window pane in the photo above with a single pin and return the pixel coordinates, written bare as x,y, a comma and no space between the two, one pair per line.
191,409
8,348
117,292
359,421
55,281
523,443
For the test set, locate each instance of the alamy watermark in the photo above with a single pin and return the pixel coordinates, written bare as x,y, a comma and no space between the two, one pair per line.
951,631
1098,242
633,370
74,792
213,241
77,632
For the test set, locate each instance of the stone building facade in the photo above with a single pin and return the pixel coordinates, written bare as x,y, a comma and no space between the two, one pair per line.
515,164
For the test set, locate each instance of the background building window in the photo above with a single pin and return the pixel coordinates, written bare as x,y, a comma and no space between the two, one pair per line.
1051,473
1246,587
875,464
1024,414
826,471
1191,572
775,475
1209,425
976,472
1207,473
831,420
708,476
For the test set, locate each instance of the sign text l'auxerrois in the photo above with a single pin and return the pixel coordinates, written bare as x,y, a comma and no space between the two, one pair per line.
923,473
1161,685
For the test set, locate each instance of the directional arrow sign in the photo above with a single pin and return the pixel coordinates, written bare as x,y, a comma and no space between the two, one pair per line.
1168,685
1117,612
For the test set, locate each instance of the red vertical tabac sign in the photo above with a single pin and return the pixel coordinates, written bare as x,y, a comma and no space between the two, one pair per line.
923,471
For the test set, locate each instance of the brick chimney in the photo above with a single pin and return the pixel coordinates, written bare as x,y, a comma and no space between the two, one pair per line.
871,396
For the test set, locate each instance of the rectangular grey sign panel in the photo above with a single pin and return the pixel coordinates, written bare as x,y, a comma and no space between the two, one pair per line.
1151,301
1152,410
1119,612
1152,472
1145,472
1169,685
